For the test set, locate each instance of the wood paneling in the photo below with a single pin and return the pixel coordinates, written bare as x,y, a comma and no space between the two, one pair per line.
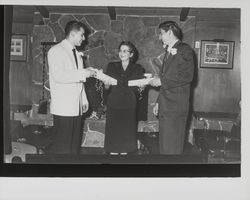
216,14
23,14
20,72
218,90
148,11
78,9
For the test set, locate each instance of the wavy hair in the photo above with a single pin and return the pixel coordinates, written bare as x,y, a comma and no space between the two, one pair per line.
132,49
171,25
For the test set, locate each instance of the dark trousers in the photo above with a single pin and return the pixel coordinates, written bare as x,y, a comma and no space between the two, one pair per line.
67,132
172,128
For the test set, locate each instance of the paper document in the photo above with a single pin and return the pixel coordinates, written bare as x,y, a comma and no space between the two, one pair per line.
140,82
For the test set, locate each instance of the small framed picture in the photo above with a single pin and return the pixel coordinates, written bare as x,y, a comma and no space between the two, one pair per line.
217,54
18,51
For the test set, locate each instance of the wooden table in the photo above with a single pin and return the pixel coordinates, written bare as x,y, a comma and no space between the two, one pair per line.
214,120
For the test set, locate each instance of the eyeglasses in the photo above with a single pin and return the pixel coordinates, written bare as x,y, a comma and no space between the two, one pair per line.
124,51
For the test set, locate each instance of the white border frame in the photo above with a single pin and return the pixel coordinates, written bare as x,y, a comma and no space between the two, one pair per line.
148,188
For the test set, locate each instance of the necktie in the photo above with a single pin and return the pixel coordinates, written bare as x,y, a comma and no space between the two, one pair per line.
164,60
74,52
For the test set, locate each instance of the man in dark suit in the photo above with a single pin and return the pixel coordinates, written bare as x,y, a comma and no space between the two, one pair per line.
172,105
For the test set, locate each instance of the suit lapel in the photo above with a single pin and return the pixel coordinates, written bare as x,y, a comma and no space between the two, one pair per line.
70,53
167,63
79,60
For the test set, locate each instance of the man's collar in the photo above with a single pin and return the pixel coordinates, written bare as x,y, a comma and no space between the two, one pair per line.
69,45
171,45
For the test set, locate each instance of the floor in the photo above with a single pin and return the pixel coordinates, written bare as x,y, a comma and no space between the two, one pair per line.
216,152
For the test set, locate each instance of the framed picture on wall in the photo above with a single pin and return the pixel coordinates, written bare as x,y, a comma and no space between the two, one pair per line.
18,50
217,54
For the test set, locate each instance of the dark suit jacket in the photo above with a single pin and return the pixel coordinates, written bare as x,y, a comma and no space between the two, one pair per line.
122,96
176,77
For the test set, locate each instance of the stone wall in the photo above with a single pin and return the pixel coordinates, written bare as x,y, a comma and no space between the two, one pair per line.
103,40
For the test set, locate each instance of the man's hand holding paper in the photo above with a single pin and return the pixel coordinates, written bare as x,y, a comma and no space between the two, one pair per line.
107,80
155,82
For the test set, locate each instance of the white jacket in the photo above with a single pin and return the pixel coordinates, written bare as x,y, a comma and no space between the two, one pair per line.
66,81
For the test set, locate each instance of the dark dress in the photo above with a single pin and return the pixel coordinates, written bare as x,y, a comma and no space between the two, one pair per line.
121,119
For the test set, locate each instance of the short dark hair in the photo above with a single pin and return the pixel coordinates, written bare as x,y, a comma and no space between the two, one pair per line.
73,25
132,49
171,25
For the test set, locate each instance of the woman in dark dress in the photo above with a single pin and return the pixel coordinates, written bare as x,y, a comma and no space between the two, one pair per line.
121,119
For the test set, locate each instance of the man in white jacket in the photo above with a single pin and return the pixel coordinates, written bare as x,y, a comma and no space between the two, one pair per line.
68,98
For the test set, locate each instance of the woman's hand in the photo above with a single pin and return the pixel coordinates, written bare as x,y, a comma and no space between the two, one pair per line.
156,109
106,85
141,87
